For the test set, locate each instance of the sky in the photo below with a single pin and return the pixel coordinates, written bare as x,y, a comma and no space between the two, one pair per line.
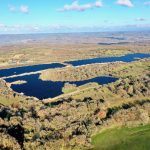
54,16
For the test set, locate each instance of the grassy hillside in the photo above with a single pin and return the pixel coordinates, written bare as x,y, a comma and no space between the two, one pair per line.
136,138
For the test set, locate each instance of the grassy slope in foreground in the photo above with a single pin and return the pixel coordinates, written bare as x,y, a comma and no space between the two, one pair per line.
136,138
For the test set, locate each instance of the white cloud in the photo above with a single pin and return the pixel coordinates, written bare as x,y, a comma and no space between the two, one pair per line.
98,4
24,9
58,28
126,3
147,3
12,8
2,25
77,7
140,19
19,28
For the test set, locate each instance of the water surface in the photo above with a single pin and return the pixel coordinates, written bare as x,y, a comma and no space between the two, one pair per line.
119,43
40,67
49,89
28,69
126,58
116,38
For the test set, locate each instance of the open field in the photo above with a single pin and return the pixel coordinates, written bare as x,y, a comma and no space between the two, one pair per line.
23,55
8,101
124,138
70,47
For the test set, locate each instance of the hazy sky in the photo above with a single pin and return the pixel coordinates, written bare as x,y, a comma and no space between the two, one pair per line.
25,16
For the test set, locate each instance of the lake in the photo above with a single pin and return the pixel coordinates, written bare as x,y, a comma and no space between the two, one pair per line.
28,69
119,43
125,58
49,89
40,67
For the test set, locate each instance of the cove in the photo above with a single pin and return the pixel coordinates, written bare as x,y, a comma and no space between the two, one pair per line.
125,58
49,89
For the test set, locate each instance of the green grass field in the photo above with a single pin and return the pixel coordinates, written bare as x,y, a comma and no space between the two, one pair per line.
137,138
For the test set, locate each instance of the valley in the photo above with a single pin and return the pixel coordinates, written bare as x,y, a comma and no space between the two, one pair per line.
77,94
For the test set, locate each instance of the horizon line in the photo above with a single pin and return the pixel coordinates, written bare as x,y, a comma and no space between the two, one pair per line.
34,33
